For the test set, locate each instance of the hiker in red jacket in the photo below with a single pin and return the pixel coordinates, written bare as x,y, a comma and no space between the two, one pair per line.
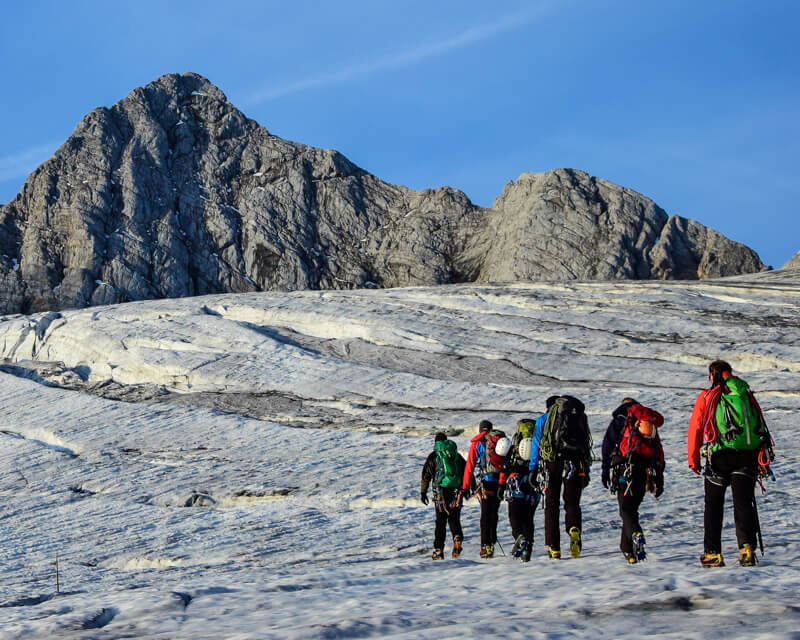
728,425
485,461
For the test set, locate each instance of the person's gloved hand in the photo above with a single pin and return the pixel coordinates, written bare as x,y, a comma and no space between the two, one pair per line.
501,492
529,486
605,478
423,498
659,485
585,480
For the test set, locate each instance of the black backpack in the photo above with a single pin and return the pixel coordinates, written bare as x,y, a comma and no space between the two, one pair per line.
566,433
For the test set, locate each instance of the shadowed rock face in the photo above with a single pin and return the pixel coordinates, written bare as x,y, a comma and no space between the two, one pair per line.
174,192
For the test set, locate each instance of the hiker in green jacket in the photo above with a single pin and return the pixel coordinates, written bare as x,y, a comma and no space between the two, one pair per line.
444,468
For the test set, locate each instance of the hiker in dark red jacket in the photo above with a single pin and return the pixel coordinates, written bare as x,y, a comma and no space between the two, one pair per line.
728,462
489,490
633,463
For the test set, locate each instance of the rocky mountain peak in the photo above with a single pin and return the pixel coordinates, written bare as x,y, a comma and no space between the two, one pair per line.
793,262
174,192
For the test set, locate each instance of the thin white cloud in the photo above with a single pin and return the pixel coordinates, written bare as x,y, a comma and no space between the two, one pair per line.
404,59
22,163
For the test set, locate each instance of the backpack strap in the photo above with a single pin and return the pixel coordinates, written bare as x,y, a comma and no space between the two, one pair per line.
546,445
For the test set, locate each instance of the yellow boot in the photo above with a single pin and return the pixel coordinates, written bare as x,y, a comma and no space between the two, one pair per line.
709,559
575,544
746,556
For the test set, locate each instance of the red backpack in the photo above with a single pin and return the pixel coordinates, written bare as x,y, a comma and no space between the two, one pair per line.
492,462
633,442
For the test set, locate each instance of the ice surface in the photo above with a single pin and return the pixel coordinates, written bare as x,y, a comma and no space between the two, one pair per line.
248,465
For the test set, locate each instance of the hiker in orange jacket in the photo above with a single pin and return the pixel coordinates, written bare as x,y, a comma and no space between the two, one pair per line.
729,460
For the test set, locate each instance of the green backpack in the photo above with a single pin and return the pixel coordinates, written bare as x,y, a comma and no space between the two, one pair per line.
446,475
738,420
525,429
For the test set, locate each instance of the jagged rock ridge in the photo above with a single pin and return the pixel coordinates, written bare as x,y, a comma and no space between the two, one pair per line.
173,192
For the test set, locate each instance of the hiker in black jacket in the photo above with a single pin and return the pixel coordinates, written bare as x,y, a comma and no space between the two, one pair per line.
633,463
444,468
619,420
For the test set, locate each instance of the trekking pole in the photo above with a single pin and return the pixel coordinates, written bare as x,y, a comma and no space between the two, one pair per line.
758,527
504,553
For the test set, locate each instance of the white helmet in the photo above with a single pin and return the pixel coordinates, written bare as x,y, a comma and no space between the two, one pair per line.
524,449
502,447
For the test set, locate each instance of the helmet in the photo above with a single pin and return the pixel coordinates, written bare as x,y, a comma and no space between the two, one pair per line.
524,449
502,447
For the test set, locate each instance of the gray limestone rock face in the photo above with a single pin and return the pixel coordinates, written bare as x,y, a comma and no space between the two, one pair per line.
793,262
687,250
566,225
174,192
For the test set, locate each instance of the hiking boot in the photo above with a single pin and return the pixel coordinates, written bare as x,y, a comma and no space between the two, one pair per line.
525,551
456,547
746,556
630,557
438,554
637,539
490,550
516,550
575,544
709,559
555,554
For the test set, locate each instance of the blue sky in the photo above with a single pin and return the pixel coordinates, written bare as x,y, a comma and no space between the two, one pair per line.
693,104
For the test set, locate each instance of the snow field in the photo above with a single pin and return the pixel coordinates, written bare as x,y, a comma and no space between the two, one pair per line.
266,483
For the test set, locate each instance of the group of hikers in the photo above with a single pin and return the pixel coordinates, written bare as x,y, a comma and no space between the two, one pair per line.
551,457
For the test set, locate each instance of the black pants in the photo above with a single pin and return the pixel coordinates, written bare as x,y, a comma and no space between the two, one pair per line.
490,505
573,487
520,516
739,470
629,498
446,514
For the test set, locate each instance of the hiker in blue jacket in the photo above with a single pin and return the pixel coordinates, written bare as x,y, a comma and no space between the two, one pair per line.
565,455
